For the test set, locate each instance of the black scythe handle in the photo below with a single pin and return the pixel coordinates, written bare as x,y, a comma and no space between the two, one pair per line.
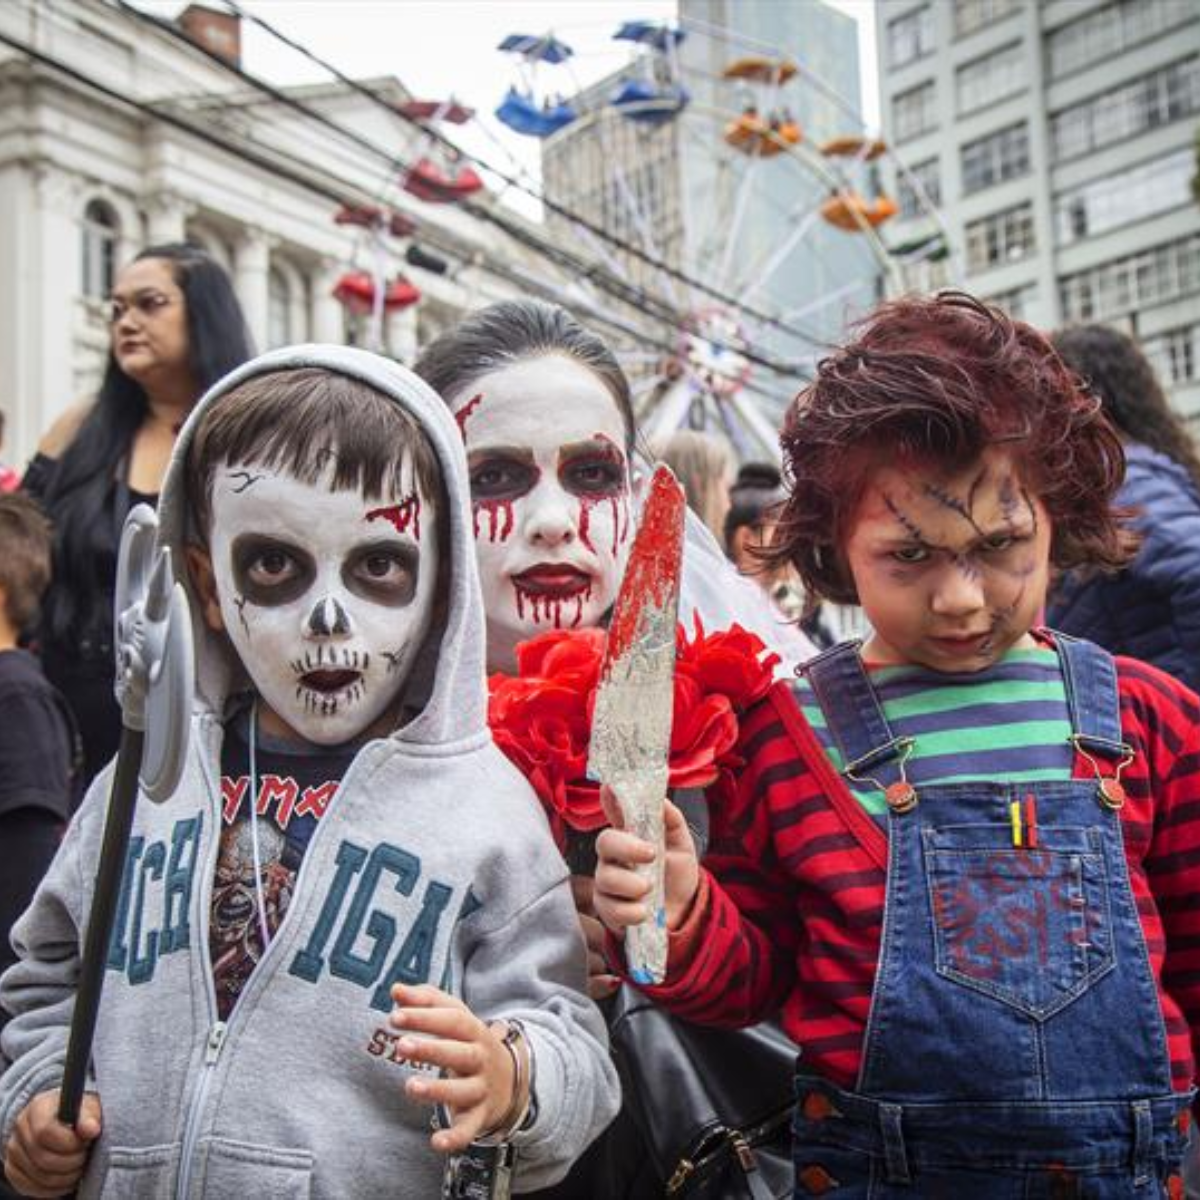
117,825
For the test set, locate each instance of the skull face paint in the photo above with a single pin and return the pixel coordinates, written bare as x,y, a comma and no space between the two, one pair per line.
326,596
550,486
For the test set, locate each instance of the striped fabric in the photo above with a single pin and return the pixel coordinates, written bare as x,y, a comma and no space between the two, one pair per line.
1009,723
792,910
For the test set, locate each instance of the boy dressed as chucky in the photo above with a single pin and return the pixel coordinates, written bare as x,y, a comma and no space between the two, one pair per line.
961,857
351,908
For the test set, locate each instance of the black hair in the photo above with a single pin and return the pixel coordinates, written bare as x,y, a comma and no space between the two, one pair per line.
757,490
511,332
25,542
301,420
79,494
1117,371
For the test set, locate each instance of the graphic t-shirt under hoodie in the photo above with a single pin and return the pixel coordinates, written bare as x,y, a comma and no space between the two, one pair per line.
433,864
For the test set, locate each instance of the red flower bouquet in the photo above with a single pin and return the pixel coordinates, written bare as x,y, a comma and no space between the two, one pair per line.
542,716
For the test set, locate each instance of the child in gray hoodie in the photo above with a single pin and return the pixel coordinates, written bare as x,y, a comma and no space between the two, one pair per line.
351,909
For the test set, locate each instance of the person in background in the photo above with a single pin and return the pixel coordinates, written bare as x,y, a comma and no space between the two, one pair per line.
749,527
175,328
38,743
1150,609
704,465
9,479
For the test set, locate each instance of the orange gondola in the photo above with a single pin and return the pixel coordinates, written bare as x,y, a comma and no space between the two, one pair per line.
761,70
848,210
851,146
762,138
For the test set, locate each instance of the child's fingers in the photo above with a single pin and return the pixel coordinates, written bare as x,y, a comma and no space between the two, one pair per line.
623,849
30,1178
461,1057
90,1117
467,1126
458,1024
424,995
619,915
458,1095
676,834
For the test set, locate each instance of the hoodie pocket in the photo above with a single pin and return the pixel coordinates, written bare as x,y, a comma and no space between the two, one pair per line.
242,1169
144,1173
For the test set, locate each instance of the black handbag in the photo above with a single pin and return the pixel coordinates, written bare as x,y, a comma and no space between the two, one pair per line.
714,1106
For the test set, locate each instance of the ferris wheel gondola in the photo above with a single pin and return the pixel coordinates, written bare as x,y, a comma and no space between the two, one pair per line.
525,109
654,96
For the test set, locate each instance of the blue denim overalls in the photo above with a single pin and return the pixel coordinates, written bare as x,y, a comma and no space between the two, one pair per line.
1016,1046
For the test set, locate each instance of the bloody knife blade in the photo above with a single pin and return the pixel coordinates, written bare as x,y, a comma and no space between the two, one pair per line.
635,700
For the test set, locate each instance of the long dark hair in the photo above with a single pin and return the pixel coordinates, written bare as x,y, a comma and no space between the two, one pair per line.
78,496
1118,372
512,331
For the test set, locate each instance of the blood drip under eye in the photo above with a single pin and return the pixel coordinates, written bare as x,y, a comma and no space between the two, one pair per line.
401,516
543,608
617,502
500,518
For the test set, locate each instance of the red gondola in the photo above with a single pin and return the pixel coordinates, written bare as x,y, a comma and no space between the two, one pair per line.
356,290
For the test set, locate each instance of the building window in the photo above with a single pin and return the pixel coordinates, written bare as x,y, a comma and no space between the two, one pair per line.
1114,200
1165,95
914,112
1105,32
1000,238
910,37
1175,354
100,232
1152,276
991,78
999,156
919,188
279,309
970,15
1017,302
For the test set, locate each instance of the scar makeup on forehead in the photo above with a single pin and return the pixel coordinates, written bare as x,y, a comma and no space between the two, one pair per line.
465,412
1032,510
953,503
400,516
909,525
248,480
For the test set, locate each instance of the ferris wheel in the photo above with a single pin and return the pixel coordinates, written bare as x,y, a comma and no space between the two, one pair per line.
758,236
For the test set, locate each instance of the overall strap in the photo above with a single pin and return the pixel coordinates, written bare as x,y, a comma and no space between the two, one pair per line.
853,714
1090,676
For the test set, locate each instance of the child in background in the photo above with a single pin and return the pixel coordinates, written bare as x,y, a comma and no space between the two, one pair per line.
38,742
351,910
961,856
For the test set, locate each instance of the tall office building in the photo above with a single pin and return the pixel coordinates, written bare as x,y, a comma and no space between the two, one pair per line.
1058,140
679,192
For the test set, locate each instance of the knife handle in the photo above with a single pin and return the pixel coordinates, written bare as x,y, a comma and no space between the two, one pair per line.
646,944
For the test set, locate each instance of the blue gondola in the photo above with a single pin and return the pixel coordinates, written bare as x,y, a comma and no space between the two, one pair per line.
650,33
547,48
524,115
650,103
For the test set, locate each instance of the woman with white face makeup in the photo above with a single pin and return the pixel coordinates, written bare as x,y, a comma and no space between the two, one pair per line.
547,420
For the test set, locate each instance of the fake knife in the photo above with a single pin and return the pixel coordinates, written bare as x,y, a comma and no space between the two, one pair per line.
635,700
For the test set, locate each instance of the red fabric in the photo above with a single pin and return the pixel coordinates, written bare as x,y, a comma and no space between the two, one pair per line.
794,912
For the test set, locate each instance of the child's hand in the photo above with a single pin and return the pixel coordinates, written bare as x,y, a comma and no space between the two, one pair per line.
44,1157
620,889
601,981
479,1093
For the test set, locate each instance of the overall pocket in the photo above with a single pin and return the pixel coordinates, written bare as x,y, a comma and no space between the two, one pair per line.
243,1169
1029,927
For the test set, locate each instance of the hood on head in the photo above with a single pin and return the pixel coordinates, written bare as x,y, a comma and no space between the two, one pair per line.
447,683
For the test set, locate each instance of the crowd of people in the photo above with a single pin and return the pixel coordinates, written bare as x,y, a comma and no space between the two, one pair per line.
945,869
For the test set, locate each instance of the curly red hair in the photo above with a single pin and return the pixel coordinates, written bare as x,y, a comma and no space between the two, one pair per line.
938,380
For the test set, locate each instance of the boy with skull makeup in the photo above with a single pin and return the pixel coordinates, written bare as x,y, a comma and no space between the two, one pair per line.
351,909
961,857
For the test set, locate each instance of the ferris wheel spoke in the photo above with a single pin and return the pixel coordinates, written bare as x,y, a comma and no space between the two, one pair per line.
847,289
763,431
763,271
669,410
731,234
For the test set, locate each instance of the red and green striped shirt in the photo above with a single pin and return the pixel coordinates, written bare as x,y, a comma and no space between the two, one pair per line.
790,910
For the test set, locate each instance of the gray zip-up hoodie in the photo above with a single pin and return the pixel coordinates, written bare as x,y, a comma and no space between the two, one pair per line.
433,864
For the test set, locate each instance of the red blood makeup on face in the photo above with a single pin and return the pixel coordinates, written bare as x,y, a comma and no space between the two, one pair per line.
401,516
464,414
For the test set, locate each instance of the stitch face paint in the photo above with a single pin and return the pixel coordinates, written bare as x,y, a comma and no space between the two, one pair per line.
325,595
550,487
951,567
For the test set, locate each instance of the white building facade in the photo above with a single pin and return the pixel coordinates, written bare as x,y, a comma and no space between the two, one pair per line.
87,178
1057,138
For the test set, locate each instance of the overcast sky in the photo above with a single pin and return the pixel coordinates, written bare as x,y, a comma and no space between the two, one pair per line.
442,47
